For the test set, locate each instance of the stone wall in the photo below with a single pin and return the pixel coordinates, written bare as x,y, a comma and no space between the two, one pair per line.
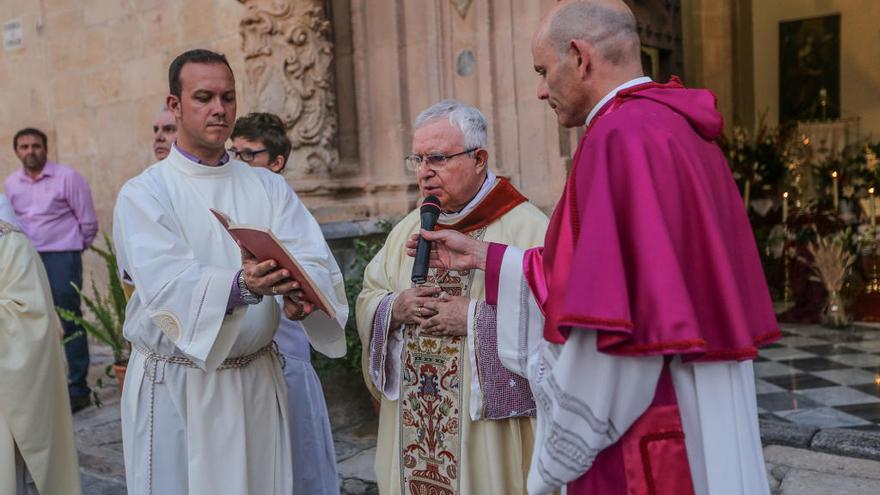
411,54
93,73
709,44
348,76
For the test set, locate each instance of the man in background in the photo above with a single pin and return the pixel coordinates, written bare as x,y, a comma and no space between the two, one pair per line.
53,203
260,140
164,133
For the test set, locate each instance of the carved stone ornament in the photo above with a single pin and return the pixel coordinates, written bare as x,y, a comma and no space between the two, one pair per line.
288,56
462,7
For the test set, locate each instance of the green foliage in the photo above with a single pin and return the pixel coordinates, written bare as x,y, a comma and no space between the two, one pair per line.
857,168
365,249
758,158
107,310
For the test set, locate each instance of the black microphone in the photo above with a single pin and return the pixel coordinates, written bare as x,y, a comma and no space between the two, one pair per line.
430,211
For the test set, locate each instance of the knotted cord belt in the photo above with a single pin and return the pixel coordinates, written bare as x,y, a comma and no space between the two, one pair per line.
152,361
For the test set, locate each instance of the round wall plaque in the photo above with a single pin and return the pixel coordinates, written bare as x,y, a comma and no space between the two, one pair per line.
466,62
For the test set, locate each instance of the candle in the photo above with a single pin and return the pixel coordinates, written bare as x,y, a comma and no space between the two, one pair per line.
746,192
871,208
835,192
784,206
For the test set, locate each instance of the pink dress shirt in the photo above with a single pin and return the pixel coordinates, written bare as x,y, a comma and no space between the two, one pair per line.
55,210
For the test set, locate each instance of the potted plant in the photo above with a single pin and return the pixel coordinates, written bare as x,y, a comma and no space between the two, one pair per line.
364,250
107,312
831,263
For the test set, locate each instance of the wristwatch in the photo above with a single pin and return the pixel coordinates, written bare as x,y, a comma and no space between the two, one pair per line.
247,296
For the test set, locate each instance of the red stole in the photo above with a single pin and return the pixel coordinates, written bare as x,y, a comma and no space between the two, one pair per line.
502,198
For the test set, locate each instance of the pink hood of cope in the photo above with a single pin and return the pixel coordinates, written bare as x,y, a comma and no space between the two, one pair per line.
654,227
698,106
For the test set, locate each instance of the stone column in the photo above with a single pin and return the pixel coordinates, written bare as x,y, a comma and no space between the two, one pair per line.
709,47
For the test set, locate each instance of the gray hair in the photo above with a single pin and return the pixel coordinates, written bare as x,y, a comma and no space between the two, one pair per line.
464,117
612,31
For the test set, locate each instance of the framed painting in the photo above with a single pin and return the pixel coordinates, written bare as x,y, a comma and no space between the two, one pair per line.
809,69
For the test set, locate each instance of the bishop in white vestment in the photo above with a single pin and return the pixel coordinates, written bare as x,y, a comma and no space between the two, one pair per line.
453,421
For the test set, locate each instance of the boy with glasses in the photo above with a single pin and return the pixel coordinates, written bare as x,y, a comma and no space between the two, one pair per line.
260,140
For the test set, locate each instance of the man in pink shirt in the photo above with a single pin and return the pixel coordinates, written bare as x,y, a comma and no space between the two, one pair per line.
53,203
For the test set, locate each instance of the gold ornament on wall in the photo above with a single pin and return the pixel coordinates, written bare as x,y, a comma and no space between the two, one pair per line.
462,7
288,56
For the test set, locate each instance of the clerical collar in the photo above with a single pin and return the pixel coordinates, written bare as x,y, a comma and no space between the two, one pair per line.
193,158
484,190
605,99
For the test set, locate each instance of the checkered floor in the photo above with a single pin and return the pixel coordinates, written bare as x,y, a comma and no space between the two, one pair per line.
821,377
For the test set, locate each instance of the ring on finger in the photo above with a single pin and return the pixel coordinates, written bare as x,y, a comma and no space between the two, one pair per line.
274,291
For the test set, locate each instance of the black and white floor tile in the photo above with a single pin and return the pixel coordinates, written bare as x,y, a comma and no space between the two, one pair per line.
821,377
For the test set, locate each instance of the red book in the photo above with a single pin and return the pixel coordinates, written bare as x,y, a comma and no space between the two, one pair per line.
265,246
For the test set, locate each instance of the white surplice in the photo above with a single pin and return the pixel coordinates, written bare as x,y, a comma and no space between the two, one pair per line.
199,429
37,450
591,398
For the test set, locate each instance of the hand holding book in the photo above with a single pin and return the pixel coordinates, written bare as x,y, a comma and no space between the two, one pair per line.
268,279
275,267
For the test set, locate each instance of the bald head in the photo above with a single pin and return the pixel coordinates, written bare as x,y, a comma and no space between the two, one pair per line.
608,25
582,51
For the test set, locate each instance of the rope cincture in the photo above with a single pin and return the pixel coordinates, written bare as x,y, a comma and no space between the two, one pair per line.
152,362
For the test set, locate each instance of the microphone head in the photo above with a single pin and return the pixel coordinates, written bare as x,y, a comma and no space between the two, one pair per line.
430,205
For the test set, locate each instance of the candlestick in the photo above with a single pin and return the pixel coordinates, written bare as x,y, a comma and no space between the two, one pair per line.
786,286
746,192
835,191
784,207
871,211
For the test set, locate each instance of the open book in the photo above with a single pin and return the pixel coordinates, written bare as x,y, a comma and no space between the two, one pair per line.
265,246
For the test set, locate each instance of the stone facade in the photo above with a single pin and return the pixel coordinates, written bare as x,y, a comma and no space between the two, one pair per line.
92,74
347,76
288,54
709,48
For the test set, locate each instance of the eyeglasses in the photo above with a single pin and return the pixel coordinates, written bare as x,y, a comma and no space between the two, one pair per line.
433,161
246,155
